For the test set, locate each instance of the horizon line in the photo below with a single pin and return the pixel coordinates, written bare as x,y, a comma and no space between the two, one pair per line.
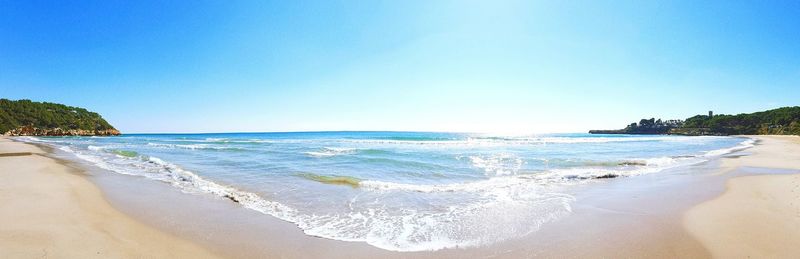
332,131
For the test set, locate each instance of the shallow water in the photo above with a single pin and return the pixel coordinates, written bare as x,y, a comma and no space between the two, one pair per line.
399,191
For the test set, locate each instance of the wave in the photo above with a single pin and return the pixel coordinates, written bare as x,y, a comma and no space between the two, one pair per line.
419,138
119,152
554,176
747,143
496,164
372,155
157,169
39,139
476,186
331,151
671,161
218,140
498,141
194,146
568,140
563,176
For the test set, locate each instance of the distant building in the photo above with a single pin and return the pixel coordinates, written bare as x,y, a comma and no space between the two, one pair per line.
710,114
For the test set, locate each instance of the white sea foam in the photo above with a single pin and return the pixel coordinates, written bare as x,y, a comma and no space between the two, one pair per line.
497,164
158,169
475,186
563,176
747,143
30,139
664,161
525,208
226,140
331,151
193,146
567,176
461,226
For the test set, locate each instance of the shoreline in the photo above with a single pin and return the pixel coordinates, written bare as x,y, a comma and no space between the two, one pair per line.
638,221
758,215
51,210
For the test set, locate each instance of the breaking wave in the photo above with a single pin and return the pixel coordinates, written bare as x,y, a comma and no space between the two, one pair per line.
331,151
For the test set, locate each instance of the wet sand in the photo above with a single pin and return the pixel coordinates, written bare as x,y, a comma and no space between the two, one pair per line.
49,210
758,216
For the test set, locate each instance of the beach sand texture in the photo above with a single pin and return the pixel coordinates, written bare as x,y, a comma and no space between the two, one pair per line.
49,210
758,216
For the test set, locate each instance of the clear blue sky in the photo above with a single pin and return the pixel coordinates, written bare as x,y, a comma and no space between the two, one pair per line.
549,66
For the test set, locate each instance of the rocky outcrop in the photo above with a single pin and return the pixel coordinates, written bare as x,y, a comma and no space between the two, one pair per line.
695,132
619,131
34,131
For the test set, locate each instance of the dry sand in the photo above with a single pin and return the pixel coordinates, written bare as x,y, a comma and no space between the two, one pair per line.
758,216
48,210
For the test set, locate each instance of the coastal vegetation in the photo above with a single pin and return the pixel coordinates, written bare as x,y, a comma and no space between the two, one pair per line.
645,126
781,121
29,118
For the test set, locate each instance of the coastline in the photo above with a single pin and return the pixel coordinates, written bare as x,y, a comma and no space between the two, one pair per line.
758,215
51,210
627,217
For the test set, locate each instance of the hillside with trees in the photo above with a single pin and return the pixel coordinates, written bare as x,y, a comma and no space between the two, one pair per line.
645,126
781,121
28,118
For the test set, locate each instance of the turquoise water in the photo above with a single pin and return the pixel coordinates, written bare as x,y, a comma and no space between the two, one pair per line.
402,191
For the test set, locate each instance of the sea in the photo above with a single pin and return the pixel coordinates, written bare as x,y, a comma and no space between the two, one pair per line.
399,191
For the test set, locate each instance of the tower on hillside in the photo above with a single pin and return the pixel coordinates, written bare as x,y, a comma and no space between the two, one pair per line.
710,114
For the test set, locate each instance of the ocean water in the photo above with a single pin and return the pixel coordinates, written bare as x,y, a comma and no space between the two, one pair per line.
400,191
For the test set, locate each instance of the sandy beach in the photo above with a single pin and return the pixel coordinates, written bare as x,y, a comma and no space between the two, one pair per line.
758,216
60,211
399,129
50,210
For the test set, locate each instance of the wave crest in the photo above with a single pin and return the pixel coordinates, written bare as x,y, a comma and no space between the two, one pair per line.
331,151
